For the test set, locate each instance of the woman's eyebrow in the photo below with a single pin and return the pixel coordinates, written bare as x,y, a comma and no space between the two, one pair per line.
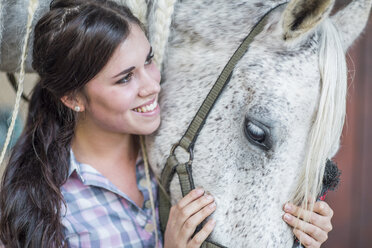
125,71
132,67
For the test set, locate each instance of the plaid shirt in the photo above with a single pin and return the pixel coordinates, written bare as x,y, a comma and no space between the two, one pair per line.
98,214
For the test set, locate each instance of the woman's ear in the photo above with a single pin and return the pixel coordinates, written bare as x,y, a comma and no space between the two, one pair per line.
73,102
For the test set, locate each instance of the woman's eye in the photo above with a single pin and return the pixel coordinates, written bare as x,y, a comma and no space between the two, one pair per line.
149,59
257,134
125,79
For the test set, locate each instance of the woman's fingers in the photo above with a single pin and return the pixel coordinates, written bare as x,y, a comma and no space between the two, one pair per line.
193,221
194,194
315,233
202,235
305,239
179,209
188,213
317,218
322,208
195,203
185,216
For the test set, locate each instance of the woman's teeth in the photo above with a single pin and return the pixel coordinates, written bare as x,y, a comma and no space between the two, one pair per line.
147,108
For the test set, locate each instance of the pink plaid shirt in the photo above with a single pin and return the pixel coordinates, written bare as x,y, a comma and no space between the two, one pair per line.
98,214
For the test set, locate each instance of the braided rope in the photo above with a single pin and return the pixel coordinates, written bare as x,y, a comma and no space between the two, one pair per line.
160,28
31,11
139,9
149,187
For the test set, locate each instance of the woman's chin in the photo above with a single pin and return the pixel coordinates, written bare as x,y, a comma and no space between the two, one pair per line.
150,129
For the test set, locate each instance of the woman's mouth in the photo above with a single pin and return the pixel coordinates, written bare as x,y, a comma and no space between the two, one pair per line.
146,108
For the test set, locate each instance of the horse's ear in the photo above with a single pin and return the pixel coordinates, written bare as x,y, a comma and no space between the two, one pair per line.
351,20
302,16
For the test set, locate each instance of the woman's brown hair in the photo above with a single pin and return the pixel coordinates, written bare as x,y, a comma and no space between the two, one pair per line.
72,43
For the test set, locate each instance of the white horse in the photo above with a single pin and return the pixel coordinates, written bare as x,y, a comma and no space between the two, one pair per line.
278,120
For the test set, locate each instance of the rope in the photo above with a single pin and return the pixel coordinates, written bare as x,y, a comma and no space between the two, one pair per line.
162,19
162,189
31,11
139,9
149,187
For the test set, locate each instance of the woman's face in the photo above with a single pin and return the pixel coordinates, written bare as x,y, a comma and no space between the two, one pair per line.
122,98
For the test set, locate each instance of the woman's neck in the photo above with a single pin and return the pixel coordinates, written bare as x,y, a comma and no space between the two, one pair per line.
97,147
114,155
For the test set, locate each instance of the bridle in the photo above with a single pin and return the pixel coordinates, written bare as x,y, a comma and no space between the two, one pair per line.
184,170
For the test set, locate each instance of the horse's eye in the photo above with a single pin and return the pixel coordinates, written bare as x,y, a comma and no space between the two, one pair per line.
257,134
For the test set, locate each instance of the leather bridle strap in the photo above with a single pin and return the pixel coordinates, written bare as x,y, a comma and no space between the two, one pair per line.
184,170
188,140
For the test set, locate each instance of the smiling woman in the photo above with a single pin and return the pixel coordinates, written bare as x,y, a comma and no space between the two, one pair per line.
124,93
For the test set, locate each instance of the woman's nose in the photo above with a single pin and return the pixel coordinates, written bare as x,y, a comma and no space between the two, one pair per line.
150,83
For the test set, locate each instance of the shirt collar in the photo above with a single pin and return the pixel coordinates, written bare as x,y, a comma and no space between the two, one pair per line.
74,166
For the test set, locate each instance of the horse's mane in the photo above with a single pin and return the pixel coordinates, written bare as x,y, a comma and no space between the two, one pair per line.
325,133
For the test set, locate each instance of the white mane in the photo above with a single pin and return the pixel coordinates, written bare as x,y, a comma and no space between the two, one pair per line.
326,130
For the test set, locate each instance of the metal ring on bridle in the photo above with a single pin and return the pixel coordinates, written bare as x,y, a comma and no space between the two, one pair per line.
190,152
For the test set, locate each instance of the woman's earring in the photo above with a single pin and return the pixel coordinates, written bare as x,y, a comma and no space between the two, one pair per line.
77,108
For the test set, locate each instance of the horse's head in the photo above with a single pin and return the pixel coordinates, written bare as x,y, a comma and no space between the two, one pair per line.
268,137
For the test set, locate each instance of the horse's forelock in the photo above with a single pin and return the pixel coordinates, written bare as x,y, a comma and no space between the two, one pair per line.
323,140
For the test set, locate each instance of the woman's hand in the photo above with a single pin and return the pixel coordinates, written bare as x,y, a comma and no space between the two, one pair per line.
184,217
315,232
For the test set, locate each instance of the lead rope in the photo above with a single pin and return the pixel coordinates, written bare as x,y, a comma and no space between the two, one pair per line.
31,11
149,187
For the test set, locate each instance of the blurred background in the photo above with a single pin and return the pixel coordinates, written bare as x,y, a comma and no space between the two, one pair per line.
352,201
